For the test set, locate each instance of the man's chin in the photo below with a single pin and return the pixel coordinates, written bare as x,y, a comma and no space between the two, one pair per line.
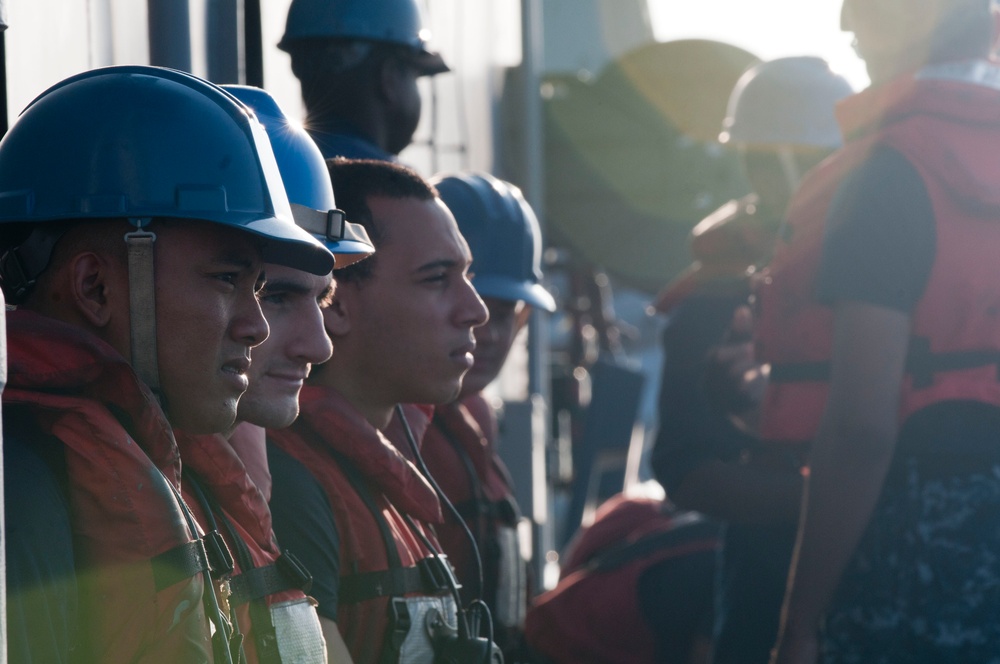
476,381
269,415
204,421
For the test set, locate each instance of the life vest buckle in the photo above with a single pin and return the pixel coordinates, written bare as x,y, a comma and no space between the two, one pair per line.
220,560
438,573
293,570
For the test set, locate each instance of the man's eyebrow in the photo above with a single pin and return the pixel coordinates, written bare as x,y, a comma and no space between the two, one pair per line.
446,263
286,286
235,260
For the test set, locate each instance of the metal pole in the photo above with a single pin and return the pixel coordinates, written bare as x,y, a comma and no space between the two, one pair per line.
253,43
539,382
3,359
223,48
170,34
3,526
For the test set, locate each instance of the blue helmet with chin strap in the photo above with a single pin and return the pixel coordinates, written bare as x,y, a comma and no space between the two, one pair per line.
138,142
502,233
141,144
306,179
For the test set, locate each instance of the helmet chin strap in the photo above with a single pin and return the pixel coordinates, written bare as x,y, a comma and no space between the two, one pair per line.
142,303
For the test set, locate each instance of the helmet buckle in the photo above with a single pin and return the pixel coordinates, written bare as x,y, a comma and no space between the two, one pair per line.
335,225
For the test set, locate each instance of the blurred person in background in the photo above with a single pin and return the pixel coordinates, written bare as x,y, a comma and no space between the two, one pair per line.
635,588
781,119
358,62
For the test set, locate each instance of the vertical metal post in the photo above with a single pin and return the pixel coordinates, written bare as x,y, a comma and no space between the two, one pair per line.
3,526
224,47
3,74
170,34
253,43
3,359
539,383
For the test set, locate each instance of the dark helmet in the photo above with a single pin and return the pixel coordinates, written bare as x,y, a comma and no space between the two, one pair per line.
389,21
502,233
306,179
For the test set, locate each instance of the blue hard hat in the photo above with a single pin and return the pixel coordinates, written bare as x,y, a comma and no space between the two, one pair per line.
306,179
149,142
502,233
390,21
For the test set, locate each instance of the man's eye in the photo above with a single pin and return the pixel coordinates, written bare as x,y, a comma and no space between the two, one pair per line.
227,277
275,298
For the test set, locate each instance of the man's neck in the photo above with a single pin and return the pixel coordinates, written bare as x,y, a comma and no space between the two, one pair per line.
377,411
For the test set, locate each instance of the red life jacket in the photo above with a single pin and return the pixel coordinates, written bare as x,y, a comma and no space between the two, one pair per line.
463,461
593,615
222,496
137,601
939,119
373,490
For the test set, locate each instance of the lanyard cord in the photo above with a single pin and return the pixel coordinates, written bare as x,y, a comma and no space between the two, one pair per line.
458,517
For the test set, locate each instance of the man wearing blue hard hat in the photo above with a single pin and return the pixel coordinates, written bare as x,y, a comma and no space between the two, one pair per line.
225,478
358,62
460,446
346,498
134,254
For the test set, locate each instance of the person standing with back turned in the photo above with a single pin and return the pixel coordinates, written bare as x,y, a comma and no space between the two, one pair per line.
879,319
781,121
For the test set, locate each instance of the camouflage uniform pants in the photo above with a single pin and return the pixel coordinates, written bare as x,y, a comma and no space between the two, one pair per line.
924,584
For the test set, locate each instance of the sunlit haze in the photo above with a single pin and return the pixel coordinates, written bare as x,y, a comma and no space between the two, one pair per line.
767,28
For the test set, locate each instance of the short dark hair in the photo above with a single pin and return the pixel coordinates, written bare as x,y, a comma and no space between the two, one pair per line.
355,182
29,251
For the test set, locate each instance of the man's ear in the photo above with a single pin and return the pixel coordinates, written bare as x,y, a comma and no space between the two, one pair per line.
337,316
94,285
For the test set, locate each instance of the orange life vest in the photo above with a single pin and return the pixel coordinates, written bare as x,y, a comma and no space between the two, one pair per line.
940,119
381,505
139,564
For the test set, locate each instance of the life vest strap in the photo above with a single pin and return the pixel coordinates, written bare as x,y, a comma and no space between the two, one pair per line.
685,530
286,573
503,511
921,363
426,577
181,562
